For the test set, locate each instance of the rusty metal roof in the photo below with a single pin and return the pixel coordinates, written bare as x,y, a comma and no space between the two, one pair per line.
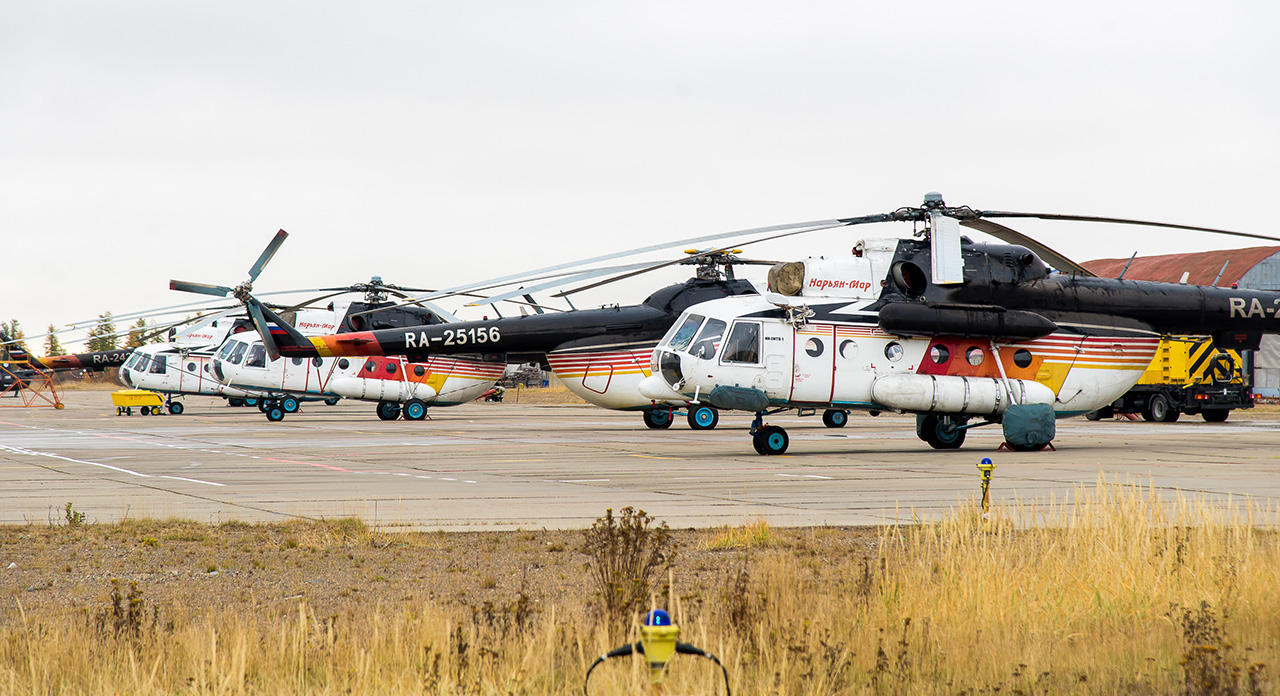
1203,266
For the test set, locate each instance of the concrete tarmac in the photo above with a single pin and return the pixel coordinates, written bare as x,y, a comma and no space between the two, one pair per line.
486,466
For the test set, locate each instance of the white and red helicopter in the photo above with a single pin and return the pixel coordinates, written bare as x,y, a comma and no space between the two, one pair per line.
962,334
246,363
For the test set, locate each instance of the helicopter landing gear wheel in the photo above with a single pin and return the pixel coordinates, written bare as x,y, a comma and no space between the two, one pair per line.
703,417
388,410
941,432
275,413
835,418
658,418
415,409
176,408
289,404
250,401
770,440
331,402
263,404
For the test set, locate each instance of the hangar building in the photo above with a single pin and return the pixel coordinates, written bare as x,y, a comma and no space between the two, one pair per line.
1255,268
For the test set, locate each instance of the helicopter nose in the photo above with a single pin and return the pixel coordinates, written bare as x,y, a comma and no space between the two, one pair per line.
217,370
126,376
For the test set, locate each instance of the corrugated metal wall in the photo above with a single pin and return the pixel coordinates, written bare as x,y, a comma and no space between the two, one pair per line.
1266,363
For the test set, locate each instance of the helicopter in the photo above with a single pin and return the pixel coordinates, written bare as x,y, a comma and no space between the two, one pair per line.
239,366
961,333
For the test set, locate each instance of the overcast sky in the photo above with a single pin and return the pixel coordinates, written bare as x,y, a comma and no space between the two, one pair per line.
433,143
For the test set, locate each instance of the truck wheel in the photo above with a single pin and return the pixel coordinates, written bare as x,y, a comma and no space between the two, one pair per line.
1217,415
1158,410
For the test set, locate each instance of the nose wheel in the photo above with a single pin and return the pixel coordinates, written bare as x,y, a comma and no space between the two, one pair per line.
658,418
703,417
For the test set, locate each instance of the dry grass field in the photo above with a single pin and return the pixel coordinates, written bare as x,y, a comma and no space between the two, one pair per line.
1116,591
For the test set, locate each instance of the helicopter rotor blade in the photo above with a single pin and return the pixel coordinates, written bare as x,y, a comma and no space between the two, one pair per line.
320,298
200,288
664,264
1012,236
272,247
1121,221
264,329
527,276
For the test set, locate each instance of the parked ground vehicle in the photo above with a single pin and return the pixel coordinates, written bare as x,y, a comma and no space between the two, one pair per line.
1188,375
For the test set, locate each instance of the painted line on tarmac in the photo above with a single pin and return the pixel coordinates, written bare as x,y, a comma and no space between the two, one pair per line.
33,453
321,466
810,476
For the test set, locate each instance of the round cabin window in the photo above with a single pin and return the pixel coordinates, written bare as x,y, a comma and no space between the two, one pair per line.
894,351
974,356
813,347
343,363
939,355
1022,357
419,370
848,349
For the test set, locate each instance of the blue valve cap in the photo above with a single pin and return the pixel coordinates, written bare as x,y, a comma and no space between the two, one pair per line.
657,617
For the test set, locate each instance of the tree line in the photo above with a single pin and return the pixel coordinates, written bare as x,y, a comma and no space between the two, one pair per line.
103,336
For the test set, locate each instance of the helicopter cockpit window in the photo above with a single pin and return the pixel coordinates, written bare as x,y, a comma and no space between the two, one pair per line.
157,365
257,356
669,366
237,353
744,343
225,352
708,340
136,361
680,340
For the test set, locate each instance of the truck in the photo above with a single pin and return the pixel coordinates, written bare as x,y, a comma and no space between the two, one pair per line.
1188,375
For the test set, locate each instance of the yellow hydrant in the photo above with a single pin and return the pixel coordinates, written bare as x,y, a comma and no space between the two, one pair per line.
987,467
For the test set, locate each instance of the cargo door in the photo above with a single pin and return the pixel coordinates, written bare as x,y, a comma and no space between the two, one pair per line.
815,362
294,374
853,376
777,360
